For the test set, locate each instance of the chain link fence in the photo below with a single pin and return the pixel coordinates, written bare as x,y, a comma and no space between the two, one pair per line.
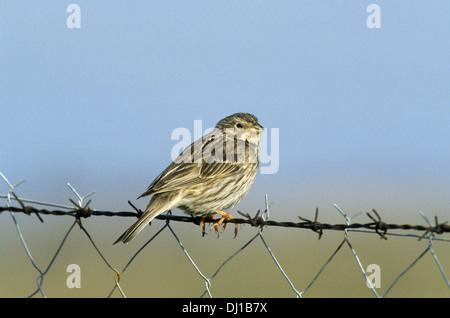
345,234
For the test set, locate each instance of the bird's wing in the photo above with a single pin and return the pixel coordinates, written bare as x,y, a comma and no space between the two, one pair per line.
215,163
175,176
185,171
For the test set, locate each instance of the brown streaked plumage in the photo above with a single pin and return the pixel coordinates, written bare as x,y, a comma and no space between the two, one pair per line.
213,174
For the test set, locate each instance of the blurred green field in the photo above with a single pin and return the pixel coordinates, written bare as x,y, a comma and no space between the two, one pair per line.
163,270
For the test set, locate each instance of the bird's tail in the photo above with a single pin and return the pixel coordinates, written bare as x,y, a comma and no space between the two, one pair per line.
134,230
150,213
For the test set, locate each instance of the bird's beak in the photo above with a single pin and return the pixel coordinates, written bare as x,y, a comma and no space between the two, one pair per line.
259,126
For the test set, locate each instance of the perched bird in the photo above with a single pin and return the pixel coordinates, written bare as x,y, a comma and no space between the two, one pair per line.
213,174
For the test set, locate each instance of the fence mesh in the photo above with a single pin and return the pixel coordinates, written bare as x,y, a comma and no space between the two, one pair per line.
432,237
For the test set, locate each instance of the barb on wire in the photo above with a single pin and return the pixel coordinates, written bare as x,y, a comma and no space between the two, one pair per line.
379,225
315,226
256,221
439,228
11,192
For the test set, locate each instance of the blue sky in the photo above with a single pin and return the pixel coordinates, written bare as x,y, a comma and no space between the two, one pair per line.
363,114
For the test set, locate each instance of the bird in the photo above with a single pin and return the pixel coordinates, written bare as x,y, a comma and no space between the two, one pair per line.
211,175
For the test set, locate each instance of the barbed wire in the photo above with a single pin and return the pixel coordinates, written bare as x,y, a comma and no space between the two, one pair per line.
377,226
80,210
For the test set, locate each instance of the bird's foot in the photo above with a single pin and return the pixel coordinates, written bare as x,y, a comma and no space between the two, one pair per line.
225,216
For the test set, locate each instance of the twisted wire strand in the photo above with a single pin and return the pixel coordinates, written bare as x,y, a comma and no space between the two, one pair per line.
377,226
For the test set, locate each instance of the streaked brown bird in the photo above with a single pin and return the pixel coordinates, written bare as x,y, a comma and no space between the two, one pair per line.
213,174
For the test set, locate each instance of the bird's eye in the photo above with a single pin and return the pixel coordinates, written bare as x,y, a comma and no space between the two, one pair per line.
238,125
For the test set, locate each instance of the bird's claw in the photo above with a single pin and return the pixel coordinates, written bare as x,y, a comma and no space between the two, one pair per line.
216,225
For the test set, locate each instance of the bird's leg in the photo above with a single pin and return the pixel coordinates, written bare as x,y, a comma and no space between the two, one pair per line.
202,226
225,216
